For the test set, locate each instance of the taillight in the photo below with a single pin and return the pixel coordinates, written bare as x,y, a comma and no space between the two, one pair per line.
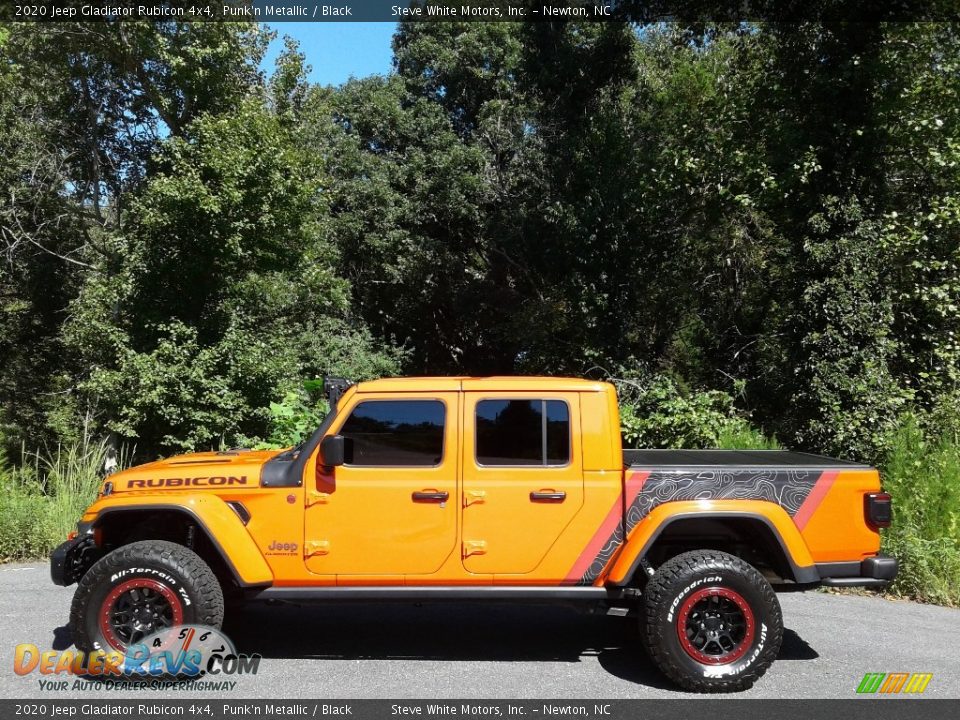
878,509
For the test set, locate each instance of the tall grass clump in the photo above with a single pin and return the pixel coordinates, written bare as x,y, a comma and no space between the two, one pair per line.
25,525
42,498
923,475
72,477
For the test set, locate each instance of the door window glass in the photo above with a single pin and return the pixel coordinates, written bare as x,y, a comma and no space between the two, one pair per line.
395,432
523,432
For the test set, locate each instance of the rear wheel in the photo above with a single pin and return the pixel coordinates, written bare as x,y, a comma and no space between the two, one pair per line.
712,623
142,588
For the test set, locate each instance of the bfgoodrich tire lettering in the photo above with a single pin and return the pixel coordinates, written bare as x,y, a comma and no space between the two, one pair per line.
174,585
711,622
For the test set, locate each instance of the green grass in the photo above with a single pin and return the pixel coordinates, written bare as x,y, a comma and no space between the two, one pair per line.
42,499
26,523
923,475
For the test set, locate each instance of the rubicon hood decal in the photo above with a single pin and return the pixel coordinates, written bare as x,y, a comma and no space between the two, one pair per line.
186,482
195,471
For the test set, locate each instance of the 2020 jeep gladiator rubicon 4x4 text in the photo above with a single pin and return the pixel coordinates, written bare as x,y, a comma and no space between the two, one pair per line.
507,489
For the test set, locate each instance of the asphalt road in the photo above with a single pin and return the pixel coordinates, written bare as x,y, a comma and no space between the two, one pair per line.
474,651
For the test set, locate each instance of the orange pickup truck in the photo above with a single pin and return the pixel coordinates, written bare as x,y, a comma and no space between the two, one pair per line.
503,489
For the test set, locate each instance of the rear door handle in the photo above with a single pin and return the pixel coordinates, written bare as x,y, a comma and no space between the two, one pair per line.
430,496
548,496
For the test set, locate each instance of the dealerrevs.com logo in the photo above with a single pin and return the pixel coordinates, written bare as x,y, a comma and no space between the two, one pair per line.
185,657
894,683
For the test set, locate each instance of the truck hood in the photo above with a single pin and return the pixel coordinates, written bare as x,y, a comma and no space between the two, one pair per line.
195,471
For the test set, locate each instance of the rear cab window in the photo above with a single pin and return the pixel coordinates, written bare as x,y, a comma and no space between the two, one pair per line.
522,432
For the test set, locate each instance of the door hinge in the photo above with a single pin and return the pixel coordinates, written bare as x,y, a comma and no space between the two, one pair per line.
317,498
474,547
316,547
474,496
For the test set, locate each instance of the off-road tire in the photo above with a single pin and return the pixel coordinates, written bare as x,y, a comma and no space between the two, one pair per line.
174,571
690,582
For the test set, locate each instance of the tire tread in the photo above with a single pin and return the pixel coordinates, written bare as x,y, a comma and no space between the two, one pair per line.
657,591
203,585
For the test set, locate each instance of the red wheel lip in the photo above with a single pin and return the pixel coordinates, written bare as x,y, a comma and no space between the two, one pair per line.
740,650
105,607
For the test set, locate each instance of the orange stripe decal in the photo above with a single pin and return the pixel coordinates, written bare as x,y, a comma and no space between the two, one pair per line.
609,529
810,505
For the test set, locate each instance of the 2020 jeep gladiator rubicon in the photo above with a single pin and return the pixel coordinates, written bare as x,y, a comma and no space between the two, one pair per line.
501,488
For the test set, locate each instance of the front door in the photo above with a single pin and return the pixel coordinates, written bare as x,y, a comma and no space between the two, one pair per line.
391,509
522,478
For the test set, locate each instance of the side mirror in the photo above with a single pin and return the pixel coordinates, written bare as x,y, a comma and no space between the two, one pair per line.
332,450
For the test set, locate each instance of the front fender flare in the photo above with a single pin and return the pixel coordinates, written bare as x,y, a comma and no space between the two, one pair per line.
213,516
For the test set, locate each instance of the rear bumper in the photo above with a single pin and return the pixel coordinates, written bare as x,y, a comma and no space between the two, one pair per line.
874,571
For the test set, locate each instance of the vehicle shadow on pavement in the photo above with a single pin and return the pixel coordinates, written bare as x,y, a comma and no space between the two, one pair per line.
455,631
795,647
62,638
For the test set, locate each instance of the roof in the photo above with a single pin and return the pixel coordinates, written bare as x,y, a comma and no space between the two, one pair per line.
506,383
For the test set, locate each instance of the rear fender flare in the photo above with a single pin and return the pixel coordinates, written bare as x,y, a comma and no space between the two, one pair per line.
774,517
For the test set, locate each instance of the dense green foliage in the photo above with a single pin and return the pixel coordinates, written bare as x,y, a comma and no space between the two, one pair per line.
757,226
655,412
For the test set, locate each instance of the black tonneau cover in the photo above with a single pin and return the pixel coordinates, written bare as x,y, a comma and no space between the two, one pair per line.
732,458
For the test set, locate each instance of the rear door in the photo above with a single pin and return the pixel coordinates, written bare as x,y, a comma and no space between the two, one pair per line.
522,478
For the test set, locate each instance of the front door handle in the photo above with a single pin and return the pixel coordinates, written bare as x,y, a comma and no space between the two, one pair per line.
430,496
548,496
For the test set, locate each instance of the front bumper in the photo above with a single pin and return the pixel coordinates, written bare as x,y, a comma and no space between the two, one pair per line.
875,571
72,559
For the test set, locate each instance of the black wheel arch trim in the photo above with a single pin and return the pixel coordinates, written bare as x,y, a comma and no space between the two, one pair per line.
802,575
200,524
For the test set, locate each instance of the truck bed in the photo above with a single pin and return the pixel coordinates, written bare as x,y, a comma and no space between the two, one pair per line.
653,459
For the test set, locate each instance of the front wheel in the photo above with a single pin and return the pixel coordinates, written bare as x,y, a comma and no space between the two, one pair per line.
711,622
140,589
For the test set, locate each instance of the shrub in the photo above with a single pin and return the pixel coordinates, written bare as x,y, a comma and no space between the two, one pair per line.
923,475
741,435
655,412
291,420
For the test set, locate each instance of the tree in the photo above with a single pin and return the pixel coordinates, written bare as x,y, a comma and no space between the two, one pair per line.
83,107
225,296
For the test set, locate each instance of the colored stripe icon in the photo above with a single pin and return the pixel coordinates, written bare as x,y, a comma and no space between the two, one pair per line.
894,683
